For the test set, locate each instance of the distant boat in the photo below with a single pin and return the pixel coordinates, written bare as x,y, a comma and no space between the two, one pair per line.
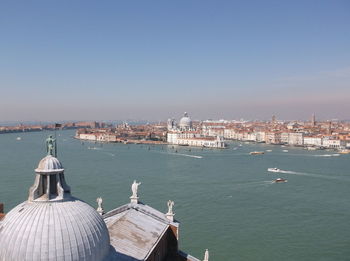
285,150
18,138
256,152
280,180
345,151
268,150
311,148
273,170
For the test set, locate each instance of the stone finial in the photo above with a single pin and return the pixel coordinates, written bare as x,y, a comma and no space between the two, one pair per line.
134,188
170,214
206,255
99,206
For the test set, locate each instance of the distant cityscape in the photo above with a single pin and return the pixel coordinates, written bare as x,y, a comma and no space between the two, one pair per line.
312,134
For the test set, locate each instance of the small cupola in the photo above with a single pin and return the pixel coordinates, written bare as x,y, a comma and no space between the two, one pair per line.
49,184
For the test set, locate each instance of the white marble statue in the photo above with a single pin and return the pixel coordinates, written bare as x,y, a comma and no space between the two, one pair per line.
99,206
170,207
206,255
134,188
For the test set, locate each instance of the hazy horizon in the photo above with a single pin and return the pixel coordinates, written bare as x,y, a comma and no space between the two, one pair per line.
153,60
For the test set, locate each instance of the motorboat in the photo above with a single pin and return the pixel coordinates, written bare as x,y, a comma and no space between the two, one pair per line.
268,150
18,138
285,150
280,180
311,148
273,170
256,152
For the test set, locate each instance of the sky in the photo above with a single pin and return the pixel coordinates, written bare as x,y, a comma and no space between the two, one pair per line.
151,60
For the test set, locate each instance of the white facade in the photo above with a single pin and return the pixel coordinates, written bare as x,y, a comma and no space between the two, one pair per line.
101,137
313,141
217,142
229,134
184,134
296,138
260,136
334,144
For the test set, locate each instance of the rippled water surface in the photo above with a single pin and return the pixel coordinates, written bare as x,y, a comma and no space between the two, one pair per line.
225,199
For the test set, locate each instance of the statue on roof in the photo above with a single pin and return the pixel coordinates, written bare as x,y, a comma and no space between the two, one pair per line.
206,255
134,188
99,206
170,207
51,146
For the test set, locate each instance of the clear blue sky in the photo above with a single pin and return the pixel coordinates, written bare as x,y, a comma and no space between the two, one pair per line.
71,60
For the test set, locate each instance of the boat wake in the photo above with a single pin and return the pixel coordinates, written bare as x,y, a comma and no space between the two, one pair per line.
186,155
94,148
311,175
327,155
101,151
252,184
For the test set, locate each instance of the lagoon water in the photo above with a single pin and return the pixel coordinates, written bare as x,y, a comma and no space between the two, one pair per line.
224,199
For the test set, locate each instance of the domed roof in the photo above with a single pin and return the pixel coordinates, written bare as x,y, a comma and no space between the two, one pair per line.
51,224
185,121
49,164
68,230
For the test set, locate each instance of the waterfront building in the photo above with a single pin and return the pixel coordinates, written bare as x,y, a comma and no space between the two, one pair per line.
315,141
184,134
285,137
296,139
260,136
230,133
97,136
273,137
333,143
54,225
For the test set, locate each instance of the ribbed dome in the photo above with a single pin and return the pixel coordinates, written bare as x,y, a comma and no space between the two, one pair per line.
51,224
185,122
49,164
60,231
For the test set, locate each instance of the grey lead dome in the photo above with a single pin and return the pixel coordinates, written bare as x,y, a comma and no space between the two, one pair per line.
49,164
185,122
70,230
53,225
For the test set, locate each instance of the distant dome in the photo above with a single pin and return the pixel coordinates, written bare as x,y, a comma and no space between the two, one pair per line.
185,122
49,164
70,230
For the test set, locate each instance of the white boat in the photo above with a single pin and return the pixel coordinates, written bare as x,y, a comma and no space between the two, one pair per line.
18,138
273,170
285,150
311,148
256,152
268,150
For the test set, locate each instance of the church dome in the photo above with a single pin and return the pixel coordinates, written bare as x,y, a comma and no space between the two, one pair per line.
185,122
68,230
52,224
49,164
